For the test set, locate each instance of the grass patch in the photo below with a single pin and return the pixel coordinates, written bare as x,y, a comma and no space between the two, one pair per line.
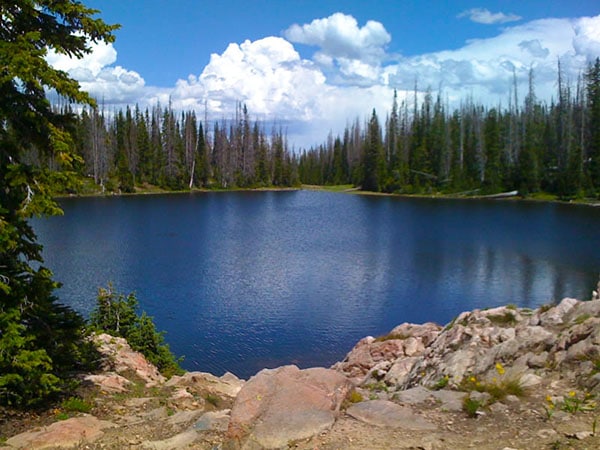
498,389
442,383
212,399
391,336
355,397
582,318
471,406
328,188
76,404
379,386
505,319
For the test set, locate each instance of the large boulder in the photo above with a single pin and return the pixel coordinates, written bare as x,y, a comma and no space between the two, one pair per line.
64,434
119,357
280,405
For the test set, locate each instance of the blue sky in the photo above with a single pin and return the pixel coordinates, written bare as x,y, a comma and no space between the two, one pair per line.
314,65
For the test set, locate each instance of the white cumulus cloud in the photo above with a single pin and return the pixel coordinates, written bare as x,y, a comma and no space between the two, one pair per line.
484,68
96,75
484,16
357,51
267,75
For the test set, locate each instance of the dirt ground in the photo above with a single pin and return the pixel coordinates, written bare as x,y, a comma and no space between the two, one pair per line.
147,416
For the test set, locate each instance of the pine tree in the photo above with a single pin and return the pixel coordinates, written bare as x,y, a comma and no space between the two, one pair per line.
373,161
40,339
593,123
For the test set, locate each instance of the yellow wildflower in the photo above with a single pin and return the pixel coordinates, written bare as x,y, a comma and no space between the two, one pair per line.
500,369
572,394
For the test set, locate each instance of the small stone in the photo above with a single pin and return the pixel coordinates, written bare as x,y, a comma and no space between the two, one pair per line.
546,433
498,408
581,435
512,399
529,380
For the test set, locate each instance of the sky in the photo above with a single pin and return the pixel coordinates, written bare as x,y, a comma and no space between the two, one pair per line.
312,67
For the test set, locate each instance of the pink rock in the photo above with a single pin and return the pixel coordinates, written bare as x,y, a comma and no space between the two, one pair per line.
283,404
64,434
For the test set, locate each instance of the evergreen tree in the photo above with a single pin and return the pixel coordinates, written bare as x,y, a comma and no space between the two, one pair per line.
40,339
593,123
373,163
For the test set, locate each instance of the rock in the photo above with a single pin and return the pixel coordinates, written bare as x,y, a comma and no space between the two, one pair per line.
383,413
450,400
482,397
283,404
556,314
529,380
414,395
64,434
406,340
497,408
228,385
213,421
181,440
581,435
109,382
399,371
537,361
547,433
182,417
120,358
182,399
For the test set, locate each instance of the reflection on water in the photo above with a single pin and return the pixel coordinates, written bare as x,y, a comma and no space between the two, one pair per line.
242,281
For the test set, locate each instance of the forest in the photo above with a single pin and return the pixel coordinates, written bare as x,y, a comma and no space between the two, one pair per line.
422,147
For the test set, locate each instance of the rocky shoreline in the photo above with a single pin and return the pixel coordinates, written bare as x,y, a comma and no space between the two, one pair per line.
499,378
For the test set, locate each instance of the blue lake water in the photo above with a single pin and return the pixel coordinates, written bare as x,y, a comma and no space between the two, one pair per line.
246,280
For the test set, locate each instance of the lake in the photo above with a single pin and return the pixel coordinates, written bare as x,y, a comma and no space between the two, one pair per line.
246,280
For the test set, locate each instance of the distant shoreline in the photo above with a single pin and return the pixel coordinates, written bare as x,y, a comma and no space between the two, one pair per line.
343,189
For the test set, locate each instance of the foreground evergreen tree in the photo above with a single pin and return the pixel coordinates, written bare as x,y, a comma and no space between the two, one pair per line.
40,340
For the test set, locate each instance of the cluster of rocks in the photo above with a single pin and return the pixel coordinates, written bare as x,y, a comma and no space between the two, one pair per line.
411,367
524,344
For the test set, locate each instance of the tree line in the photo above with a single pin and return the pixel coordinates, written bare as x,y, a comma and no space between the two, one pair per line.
423,146
175,151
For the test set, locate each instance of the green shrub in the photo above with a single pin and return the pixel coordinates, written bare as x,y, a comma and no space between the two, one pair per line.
506,318
76,404
116,314
212,399
442,383
355,397
471,406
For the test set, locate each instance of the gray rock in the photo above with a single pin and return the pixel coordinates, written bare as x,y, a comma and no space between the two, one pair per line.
181,440
400,370
213,421
383,413
556,315
537,361
529,380
482,397
450,400
414,395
